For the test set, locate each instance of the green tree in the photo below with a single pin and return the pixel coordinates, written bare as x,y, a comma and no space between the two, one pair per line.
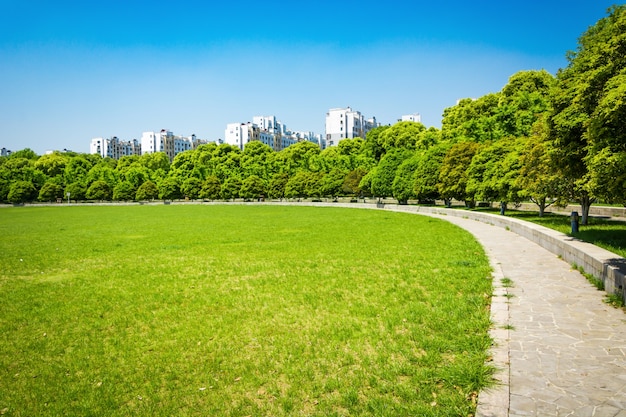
403,183
588,109
351,182
331,183
538,181
382,176
52,164
191,188
211,188
124,191
493,172
21,192
99,190
405,135
76,170
276,188
255,160
252,188
147,191
453,174
77,190
231,188
50,191
426,177
169,189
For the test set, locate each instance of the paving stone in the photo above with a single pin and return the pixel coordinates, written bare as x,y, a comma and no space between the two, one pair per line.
567,348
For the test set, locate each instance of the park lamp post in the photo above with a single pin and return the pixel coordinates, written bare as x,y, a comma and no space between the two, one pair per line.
68,198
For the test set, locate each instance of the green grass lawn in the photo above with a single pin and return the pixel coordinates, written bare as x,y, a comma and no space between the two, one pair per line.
607,234
231,310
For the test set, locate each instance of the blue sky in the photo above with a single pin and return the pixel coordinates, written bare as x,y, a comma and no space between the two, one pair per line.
74,70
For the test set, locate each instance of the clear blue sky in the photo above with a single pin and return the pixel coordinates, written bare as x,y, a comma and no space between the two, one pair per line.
74,70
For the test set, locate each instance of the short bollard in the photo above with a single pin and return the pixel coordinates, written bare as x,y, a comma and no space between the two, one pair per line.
574,218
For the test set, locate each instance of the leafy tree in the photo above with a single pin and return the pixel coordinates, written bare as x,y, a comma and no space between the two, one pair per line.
383,174
50,191
523,101
22,169
25,153
231,188
124,191
52,165
473,120
76,170
99,190
453,174
304,184
252,187
157,162
147,191
403,135
225,162
298,156
587,119
77,190
102,172
493,172
331,183
191,188
255,160
276,188
373,146
169,189
403,183
21,192
183,167
351,182
538,181
211,188
426,177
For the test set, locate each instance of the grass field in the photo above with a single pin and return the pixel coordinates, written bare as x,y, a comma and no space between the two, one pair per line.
607,234
233,310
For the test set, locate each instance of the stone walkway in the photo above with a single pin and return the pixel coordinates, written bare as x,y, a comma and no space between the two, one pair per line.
561,351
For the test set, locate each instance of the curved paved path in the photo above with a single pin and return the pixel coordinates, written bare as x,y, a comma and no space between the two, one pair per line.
566,347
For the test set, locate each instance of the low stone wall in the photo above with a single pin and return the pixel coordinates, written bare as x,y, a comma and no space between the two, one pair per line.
602,264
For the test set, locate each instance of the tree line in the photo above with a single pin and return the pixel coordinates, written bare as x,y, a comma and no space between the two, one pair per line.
544,138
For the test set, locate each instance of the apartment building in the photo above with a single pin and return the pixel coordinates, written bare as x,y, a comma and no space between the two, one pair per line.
165,141
415,117
114,147
268,130
345,123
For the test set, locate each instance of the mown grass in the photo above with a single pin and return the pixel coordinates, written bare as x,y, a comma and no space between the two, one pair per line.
607,234
239,310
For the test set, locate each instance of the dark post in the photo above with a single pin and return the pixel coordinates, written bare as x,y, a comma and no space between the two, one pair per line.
574,218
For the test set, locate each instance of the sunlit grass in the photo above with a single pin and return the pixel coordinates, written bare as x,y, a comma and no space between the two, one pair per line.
607,234
237,310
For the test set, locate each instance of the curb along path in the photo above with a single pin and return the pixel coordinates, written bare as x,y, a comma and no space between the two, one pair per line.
566,349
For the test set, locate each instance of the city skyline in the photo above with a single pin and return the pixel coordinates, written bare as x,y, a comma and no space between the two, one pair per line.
72,71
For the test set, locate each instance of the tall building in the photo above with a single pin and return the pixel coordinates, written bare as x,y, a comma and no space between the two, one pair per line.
165,141
5,152
415,117
114,148
268,130
344,123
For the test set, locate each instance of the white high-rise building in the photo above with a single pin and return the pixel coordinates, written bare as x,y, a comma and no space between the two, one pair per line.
114,148
269,131
166,141
344,123
415,117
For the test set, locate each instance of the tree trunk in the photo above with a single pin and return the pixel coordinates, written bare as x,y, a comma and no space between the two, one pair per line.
585,204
